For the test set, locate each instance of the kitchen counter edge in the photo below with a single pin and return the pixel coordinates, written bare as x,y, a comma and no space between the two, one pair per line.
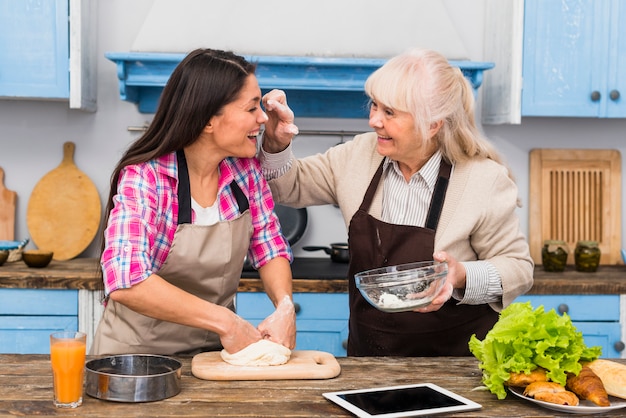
82,273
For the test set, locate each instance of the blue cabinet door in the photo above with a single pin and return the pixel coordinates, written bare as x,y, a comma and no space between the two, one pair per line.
29,316
604,334
323,335
574,58
616,89
565,53
321,318
31,334
34,48
44,302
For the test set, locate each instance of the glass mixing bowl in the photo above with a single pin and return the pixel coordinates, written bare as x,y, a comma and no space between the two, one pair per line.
404,287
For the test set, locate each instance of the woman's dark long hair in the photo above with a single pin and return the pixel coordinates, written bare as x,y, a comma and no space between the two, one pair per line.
200,86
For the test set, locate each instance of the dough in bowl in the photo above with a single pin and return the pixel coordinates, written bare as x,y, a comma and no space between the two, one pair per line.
260,353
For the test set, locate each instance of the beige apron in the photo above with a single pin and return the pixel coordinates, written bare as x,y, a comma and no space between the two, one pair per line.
204,260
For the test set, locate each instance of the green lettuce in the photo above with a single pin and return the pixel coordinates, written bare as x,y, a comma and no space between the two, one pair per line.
524,339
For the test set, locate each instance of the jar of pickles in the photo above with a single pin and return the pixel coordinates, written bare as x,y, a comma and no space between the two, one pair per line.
554,255
587,256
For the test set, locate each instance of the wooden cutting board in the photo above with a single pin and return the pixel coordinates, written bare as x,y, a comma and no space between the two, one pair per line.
8,199
64,209
303,364
574,196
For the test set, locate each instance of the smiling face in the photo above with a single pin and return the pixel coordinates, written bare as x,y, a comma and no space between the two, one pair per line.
234,130
398,139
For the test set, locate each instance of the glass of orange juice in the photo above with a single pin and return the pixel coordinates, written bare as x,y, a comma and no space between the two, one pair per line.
67,355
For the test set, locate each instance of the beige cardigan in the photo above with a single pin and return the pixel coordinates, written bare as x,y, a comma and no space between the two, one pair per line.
478,219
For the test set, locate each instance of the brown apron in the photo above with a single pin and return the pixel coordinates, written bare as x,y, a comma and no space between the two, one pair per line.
204,260
445,332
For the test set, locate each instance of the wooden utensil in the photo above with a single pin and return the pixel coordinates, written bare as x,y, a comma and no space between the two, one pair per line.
303,364
64,209
8,199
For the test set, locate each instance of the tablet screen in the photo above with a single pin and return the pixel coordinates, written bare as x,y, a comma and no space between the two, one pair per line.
401,401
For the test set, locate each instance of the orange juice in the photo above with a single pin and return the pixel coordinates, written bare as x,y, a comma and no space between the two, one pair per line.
67,356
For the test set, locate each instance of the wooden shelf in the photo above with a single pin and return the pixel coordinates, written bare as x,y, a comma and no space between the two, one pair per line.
315,86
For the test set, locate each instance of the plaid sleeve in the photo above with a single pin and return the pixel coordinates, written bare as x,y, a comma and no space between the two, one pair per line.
137,236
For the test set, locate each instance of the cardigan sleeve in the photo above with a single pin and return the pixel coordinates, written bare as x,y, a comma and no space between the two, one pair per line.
479,222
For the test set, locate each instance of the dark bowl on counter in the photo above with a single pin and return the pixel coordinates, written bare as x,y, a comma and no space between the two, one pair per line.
37,258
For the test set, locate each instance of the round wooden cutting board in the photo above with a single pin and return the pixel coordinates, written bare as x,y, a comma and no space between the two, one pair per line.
64,209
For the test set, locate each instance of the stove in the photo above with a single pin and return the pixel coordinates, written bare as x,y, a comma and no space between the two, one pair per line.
316,268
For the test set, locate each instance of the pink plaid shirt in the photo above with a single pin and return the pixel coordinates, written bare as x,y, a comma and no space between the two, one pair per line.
144,218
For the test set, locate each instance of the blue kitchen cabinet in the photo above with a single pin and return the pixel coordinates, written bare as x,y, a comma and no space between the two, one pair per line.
29,316
574,58
34,48
321,318
596,316
47,51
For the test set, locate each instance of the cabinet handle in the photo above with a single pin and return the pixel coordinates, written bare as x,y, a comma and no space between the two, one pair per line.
619,346
595,96
297,307
563,308
614,95
344,344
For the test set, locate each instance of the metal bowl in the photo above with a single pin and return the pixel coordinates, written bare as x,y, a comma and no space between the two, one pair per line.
133,378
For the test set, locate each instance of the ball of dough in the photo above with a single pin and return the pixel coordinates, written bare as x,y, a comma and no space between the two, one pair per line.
260,353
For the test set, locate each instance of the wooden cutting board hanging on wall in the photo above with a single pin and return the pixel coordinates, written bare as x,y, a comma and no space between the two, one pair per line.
64,209
575,195
8,199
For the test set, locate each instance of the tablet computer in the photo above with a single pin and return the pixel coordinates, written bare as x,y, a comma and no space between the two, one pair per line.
401,401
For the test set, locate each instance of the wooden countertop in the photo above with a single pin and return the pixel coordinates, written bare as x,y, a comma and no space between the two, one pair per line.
316,275
310,275
26,389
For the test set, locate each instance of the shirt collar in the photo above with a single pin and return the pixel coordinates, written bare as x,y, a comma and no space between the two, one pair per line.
168,165
429,172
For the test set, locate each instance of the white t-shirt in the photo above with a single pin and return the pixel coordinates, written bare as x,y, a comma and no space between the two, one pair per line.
205,216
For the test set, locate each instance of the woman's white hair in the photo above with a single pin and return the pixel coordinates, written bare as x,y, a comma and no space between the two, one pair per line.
423,83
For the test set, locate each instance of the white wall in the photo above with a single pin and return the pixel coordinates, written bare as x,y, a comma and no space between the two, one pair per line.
32,133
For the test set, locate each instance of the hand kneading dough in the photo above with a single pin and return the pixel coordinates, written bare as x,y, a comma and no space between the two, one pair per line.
261,353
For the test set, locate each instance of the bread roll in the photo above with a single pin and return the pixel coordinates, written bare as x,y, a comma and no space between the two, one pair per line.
588,385
521,379
613,376
551,392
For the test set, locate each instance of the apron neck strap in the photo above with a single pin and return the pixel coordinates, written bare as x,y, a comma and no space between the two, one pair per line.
184,189
184,192
242,201
436,204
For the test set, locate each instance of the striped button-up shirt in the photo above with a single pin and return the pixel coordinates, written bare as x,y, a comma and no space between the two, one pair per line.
407,203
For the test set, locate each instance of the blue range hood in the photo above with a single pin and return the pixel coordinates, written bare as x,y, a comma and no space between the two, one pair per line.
315,86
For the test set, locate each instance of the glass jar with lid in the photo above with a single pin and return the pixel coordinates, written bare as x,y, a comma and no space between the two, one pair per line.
554,255
587,256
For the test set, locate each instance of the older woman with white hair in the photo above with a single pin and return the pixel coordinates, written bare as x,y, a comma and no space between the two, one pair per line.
424,185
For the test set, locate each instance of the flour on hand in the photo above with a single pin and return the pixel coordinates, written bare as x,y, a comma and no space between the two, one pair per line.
260,353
